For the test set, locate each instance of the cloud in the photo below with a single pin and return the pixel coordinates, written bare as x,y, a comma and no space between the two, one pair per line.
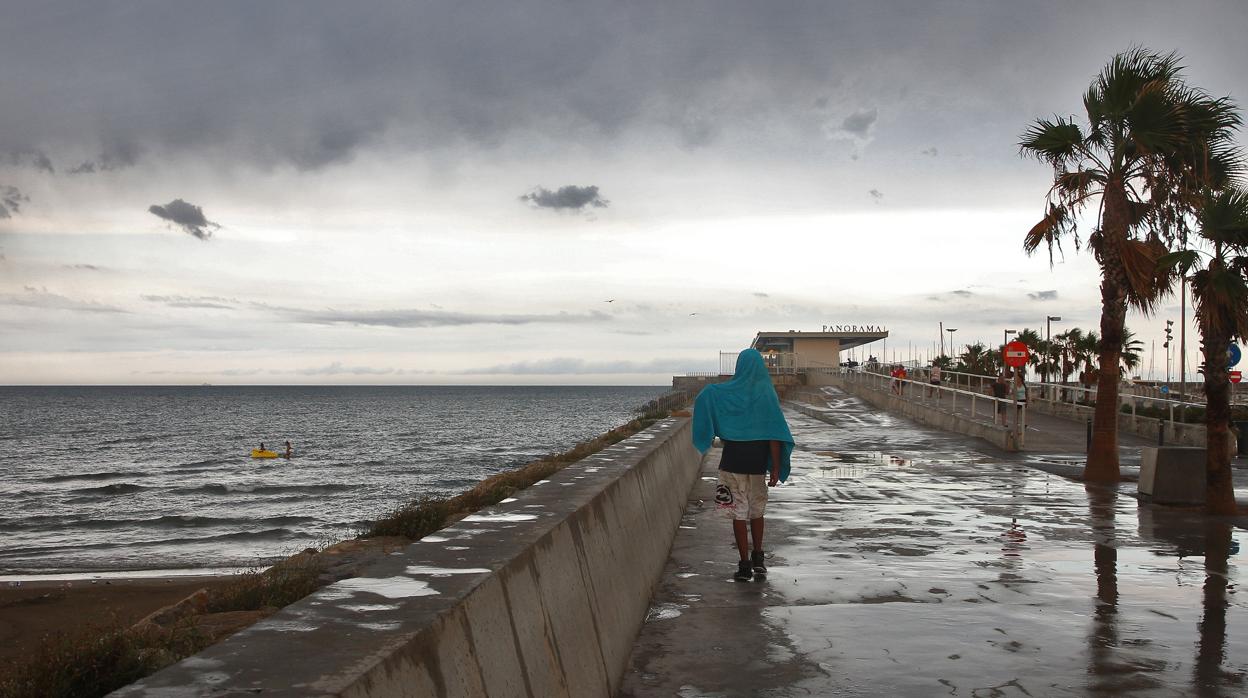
564,365
193,301
85,267
1043,295
858,125
11,200
437,318
930,152
877,194
760,294
33,297
187,216
28,158
570,197
337,368
959,293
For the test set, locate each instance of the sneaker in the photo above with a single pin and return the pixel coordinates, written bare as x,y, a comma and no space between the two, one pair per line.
745,571
760,567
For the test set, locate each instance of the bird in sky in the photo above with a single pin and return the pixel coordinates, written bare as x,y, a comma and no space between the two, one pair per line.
612,300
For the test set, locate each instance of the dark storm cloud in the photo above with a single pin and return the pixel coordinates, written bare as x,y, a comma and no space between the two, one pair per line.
35,158
186,216
11,200
425,75
437,318
1043,295
858,124
570,197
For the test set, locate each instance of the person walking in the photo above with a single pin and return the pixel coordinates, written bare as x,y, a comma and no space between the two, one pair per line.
745,414
1000,389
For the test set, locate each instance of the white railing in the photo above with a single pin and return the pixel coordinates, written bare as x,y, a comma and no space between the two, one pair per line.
1070,394
943,398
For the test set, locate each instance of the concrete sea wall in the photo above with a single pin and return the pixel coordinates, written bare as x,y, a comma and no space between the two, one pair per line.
541,595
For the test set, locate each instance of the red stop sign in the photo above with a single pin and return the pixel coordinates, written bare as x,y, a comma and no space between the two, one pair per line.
1236,376
1016,354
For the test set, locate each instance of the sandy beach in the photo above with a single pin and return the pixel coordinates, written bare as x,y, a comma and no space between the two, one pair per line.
38,608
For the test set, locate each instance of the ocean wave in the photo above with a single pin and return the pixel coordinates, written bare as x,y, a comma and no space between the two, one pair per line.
141,439
104,475
217,488
204,463
280,533
113,489
47,522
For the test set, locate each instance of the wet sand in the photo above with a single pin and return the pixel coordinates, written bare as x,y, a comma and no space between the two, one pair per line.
36,609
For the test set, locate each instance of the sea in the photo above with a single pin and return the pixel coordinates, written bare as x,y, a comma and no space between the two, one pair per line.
108,480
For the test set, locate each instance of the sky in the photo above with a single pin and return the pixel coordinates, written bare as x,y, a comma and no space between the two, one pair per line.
538,192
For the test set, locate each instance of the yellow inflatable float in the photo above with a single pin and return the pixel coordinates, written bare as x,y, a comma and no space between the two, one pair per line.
257,453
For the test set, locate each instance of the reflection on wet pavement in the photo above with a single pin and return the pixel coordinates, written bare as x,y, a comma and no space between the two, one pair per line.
906,561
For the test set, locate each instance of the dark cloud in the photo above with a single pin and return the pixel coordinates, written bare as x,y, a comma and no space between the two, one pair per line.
35,158
930,152
193,301
760,294
1043,295
437,318
571,197
39,297
186,216
858,125
84,267
876,194
11,200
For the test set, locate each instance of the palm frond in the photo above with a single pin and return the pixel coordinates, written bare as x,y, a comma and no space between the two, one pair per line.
1048,231
1147,281
1055,142
1220,296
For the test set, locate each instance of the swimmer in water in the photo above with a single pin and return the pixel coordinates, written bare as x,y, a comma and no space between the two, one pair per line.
289,450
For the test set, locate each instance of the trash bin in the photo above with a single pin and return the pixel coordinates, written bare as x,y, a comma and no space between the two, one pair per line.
1242,427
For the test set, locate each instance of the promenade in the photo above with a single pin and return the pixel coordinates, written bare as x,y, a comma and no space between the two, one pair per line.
906,561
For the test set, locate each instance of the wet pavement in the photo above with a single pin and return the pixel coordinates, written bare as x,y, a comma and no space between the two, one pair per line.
906,561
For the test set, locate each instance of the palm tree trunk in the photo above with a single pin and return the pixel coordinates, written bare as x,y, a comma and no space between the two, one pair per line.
1220,491
1103,455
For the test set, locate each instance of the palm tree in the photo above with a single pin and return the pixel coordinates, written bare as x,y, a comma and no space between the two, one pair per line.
1139,155
1031,338
977,359
1131,352
1220,297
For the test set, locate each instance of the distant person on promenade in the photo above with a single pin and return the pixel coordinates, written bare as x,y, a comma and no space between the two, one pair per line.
1000,389
934,379
745,413
1020,396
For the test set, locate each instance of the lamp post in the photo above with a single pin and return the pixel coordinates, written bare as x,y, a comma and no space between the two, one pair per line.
1048,340
1166,346
951,330
1005,339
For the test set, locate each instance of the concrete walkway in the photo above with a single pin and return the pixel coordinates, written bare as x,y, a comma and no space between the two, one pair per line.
910,562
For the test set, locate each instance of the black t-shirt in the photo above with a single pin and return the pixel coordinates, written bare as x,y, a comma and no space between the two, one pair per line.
746,457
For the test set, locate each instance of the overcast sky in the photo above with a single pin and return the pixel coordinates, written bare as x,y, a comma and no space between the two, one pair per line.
528,192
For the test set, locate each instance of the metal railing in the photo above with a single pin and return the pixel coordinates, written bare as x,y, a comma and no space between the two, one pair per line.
943,398
1071,394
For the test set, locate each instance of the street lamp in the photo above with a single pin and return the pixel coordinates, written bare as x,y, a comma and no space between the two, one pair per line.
1166,346
1048,339
1005,339
951,330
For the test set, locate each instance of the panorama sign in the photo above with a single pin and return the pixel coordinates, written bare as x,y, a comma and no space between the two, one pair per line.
854,328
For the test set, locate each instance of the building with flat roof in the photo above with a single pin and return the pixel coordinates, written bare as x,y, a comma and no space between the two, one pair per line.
818,349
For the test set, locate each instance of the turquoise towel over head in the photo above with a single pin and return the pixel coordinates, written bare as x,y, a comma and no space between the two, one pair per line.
745,408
